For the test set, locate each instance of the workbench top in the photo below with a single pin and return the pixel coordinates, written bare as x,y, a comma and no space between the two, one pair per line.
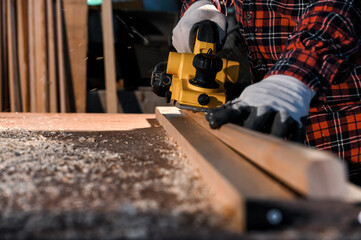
76,121
75,176
96,176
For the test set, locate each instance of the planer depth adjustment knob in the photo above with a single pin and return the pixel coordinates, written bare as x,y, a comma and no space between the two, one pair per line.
207,66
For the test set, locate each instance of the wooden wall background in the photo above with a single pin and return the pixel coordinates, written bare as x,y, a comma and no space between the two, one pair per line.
43,49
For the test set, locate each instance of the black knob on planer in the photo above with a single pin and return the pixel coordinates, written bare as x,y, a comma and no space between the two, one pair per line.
207,66
161,81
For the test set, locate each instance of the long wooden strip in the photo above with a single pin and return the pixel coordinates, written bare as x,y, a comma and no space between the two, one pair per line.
315,174
1,58
42,103
109,58
232,179
76,21
53,94
5,87
15,100
22,41
31,56
10,61
6,95
60,51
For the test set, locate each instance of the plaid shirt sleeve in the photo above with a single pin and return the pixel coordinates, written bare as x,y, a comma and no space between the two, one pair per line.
220,5
325,39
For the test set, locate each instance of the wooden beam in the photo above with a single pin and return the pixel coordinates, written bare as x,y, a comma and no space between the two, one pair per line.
41,69
53,90
5,87
14,87
76,22
61,65
313,173
2,12
22,41
231,178
109,58
31,56
9,48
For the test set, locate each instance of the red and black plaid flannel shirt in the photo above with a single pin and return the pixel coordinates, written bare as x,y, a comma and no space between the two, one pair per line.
317,42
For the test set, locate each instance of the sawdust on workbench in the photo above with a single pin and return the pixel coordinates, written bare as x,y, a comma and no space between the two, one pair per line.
77,185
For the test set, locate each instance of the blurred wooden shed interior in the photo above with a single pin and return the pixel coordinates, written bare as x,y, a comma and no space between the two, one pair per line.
52,58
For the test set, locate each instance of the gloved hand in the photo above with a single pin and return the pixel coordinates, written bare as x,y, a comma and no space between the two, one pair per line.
199,11
275,105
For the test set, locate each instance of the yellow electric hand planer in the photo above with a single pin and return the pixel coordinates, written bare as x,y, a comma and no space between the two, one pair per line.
196,81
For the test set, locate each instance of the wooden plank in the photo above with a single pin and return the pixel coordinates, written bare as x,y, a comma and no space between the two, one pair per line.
109,58
53,92
89,122
1,58
22,41
60,52
5,87
41,72
231,178
312,173
31,56
15,100
10,62
76,22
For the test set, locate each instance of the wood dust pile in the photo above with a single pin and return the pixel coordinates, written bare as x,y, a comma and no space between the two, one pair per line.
79,185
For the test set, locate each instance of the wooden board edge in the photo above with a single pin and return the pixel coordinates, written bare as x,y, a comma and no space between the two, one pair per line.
312,173
228,201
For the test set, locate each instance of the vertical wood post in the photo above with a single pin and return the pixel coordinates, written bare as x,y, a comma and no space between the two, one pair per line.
109,57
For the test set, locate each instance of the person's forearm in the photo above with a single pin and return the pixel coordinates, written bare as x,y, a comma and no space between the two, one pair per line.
319,50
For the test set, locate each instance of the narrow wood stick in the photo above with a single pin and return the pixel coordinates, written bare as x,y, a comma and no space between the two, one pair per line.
61,65
22,41
53,91
41,70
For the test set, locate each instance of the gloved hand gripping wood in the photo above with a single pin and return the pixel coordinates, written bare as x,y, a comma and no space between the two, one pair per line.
275,105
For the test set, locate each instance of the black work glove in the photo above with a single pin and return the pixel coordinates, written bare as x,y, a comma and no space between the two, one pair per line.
275,105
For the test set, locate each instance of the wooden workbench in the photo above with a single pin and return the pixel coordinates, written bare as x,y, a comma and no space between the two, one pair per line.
57,201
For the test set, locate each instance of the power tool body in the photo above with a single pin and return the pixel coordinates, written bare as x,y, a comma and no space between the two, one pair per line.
196,80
